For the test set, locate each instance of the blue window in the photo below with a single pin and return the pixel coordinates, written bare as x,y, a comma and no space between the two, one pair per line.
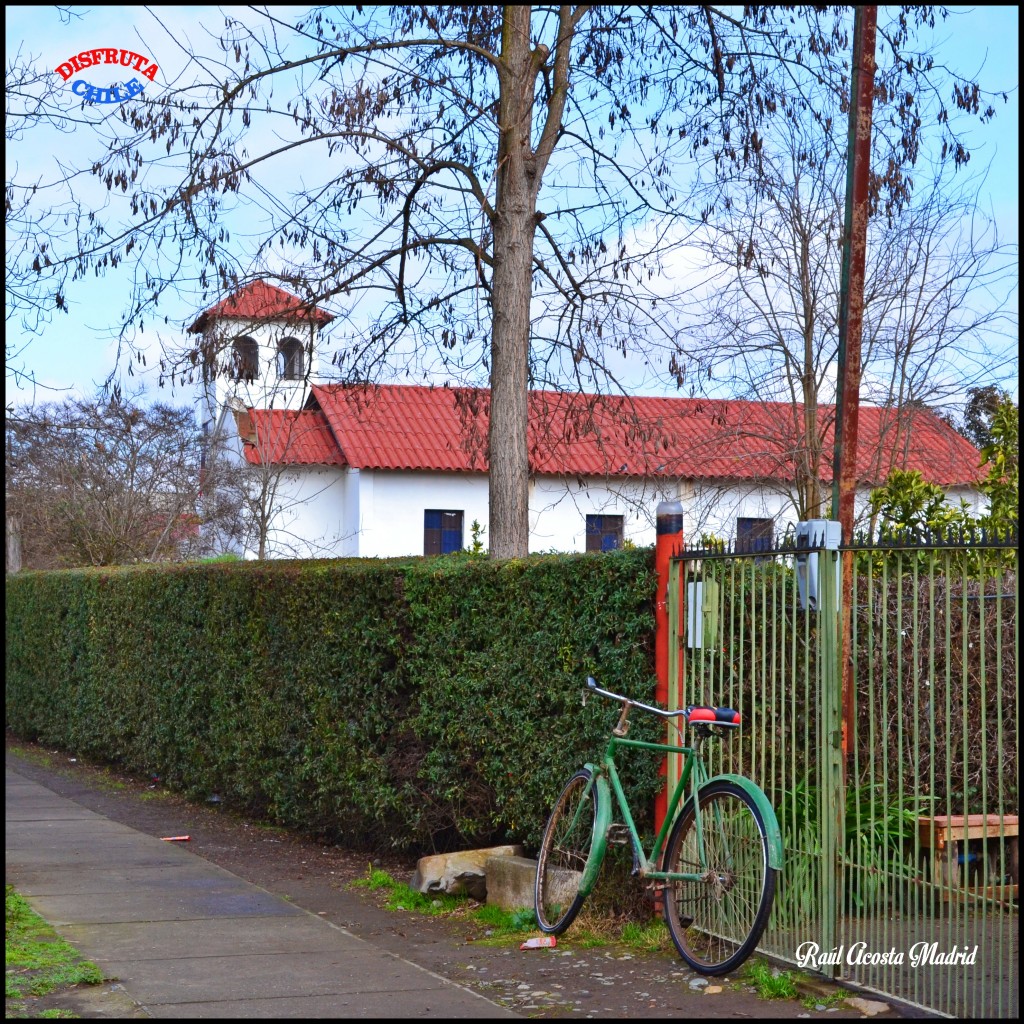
442,532
754,535
604,533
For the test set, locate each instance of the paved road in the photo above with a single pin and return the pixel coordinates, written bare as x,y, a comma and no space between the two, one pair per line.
186,938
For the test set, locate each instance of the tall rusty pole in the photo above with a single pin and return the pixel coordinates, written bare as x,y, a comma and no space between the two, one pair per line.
851,315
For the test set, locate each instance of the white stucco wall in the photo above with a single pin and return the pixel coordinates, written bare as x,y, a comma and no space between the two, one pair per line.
308,518
391,507
333,512
559,508
976,501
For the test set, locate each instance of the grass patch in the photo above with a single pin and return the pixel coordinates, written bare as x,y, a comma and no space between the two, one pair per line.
398,896
34,755
591,929
39,961
506,922
827,1001
498,923
652,937
770,982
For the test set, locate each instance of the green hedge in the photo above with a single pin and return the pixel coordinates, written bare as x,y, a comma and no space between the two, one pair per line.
420,704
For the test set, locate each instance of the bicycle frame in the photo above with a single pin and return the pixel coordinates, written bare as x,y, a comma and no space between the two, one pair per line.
606,777
715,867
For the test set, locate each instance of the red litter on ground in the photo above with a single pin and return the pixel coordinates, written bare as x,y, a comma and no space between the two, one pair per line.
175,839
542,942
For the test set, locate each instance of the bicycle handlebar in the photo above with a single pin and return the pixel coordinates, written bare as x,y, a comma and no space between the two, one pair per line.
629,702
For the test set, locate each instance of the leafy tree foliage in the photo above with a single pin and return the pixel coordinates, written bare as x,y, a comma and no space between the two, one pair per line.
1001,483
907,502
979,412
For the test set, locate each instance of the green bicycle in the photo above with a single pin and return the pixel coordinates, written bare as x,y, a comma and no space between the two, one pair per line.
719,856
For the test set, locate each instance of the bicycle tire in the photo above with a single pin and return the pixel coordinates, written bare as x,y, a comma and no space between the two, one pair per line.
564,852
717,922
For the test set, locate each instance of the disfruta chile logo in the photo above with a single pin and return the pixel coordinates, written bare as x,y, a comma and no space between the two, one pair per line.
107,55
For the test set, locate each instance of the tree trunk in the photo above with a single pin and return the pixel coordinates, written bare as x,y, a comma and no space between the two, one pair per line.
514,226
13,544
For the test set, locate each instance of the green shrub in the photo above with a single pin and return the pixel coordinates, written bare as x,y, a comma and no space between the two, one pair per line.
415,704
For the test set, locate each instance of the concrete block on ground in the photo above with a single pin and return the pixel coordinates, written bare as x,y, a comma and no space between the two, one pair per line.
510,882
463,872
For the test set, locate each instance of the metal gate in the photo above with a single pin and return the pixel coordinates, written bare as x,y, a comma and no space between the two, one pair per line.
901,852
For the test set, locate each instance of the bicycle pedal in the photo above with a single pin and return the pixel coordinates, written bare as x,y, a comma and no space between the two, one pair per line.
618,834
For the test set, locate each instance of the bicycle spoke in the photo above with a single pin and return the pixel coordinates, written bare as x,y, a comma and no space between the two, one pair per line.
563,855
716,921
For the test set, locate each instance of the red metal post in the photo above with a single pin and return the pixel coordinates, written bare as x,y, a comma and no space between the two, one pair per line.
669,533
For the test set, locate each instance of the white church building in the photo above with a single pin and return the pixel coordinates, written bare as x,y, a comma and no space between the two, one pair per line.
391,470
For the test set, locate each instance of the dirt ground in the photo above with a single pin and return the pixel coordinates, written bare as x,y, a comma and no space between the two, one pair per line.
609,981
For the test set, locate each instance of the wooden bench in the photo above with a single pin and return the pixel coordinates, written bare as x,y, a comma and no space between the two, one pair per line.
948,837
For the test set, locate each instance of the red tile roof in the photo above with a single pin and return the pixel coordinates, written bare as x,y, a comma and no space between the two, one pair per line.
261,301
299,438
400,427
421,428
406,427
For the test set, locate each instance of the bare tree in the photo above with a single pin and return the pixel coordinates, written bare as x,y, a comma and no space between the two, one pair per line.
508,182
108,482
764,318
29,101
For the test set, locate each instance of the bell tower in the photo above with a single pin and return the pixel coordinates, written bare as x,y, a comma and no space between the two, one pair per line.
259,350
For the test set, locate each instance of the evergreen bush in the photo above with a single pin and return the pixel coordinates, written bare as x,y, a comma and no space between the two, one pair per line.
416,704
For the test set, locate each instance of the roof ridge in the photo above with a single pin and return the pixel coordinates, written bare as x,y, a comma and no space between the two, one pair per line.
260,300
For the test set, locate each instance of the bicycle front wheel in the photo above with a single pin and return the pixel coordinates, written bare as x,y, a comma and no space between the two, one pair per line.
717,920
564,852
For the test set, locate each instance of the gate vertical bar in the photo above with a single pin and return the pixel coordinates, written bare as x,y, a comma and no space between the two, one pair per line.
676,639
830,750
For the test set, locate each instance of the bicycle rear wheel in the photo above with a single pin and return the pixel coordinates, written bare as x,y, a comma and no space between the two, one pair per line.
716,922
564,852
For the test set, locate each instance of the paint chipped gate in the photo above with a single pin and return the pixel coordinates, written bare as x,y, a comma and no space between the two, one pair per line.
901,856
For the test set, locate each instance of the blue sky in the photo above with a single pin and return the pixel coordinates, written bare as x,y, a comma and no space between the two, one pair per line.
75,353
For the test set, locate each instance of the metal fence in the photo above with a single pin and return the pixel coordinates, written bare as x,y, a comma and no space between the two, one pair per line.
900,824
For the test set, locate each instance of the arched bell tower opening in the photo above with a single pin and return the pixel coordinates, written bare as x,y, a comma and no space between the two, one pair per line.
290,361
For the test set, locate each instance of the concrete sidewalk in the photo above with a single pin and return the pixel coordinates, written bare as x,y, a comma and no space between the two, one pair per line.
186,938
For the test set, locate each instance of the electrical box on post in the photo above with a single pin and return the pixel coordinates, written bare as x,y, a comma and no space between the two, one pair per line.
694,614
812,536
701,614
